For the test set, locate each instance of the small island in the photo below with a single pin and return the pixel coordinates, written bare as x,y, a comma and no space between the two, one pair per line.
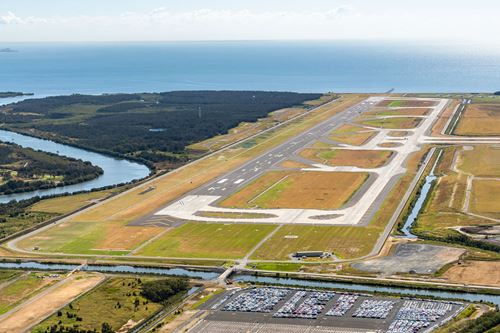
7,94
24,169
7,50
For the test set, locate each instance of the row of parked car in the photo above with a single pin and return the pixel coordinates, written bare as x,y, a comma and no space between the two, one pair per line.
415,315
343,304
378,309
310,308
257,300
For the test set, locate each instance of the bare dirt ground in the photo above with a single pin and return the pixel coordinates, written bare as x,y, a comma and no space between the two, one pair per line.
40,307
475,272
408,258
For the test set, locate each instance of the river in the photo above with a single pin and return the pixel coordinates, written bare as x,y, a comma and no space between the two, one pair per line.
212,275
116,170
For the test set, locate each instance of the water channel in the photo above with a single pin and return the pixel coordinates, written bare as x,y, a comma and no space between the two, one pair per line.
116,171
424,193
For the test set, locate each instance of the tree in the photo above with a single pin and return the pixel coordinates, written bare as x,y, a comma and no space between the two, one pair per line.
161,290
106,328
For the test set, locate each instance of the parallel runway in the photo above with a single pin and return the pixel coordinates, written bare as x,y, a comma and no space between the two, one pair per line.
360,208
238,178
235,180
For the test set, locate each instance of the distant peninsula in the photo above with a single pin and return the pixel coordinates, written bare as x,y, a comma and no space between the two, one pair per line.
7,94
7,50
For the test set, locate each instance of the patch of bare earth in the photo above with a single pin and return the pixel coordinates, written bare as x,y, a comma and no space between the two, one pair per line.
34,310
475,272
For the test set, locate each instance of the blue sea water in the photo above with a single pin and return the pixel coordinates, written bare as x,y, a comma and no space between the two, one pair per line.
319,66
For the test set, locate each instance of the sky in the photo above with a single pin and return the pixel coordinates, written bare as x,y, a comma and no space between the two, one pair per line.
185,20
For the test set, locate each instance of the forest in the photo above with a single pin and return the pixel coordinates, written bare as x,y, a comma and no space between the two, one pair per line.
25,169
149,127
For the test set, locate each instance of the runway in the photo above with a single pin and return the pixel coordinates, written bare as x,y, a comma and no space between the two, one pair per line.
369,199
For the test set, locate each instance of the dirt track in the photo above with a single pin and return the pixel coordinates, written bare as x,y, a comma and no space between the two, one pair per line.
33,311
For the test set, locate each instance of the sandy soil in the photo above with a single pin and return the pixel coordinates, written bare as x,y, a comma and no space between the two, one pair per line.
40,307
475,272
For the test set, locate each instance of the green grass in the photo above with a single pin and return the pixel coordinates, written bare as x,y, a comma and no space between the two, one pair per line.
328,154
16,292
393,123
8,275
76,237
272,193
111,302
344,242
206,298
67,204
208,240
276,266
396,104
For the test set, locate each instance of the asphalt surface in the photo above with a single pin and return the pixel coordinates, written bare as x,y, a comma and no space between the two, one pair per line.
228,321
238,178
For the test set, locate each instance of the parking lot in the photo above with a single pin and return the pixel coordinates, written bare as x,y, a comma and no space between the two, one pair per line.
274,308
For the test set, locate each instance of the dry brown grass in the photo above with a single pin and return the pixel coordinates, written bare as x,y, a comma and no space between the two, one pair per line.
475,272
35,311
485,197
307,190
480,161
294,165
344,157
352,135
399,134
480,120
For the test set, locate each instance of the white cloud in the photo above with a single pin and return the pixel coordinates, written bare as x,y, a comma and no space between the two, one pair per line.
163,23
10,18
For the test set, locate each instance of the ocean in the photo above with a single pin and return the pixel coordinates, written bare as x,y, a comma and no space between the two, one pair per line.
314,66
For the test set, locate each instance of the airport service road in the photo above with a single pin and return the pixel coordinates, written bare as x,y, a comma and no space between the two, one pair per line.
368,198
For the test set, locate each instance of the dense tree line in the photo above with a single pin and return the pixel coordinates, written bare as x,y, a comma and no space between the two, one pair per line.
5,94
461,239
143,126
45,105
497,93
105,328
482,324
160,291
30,165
